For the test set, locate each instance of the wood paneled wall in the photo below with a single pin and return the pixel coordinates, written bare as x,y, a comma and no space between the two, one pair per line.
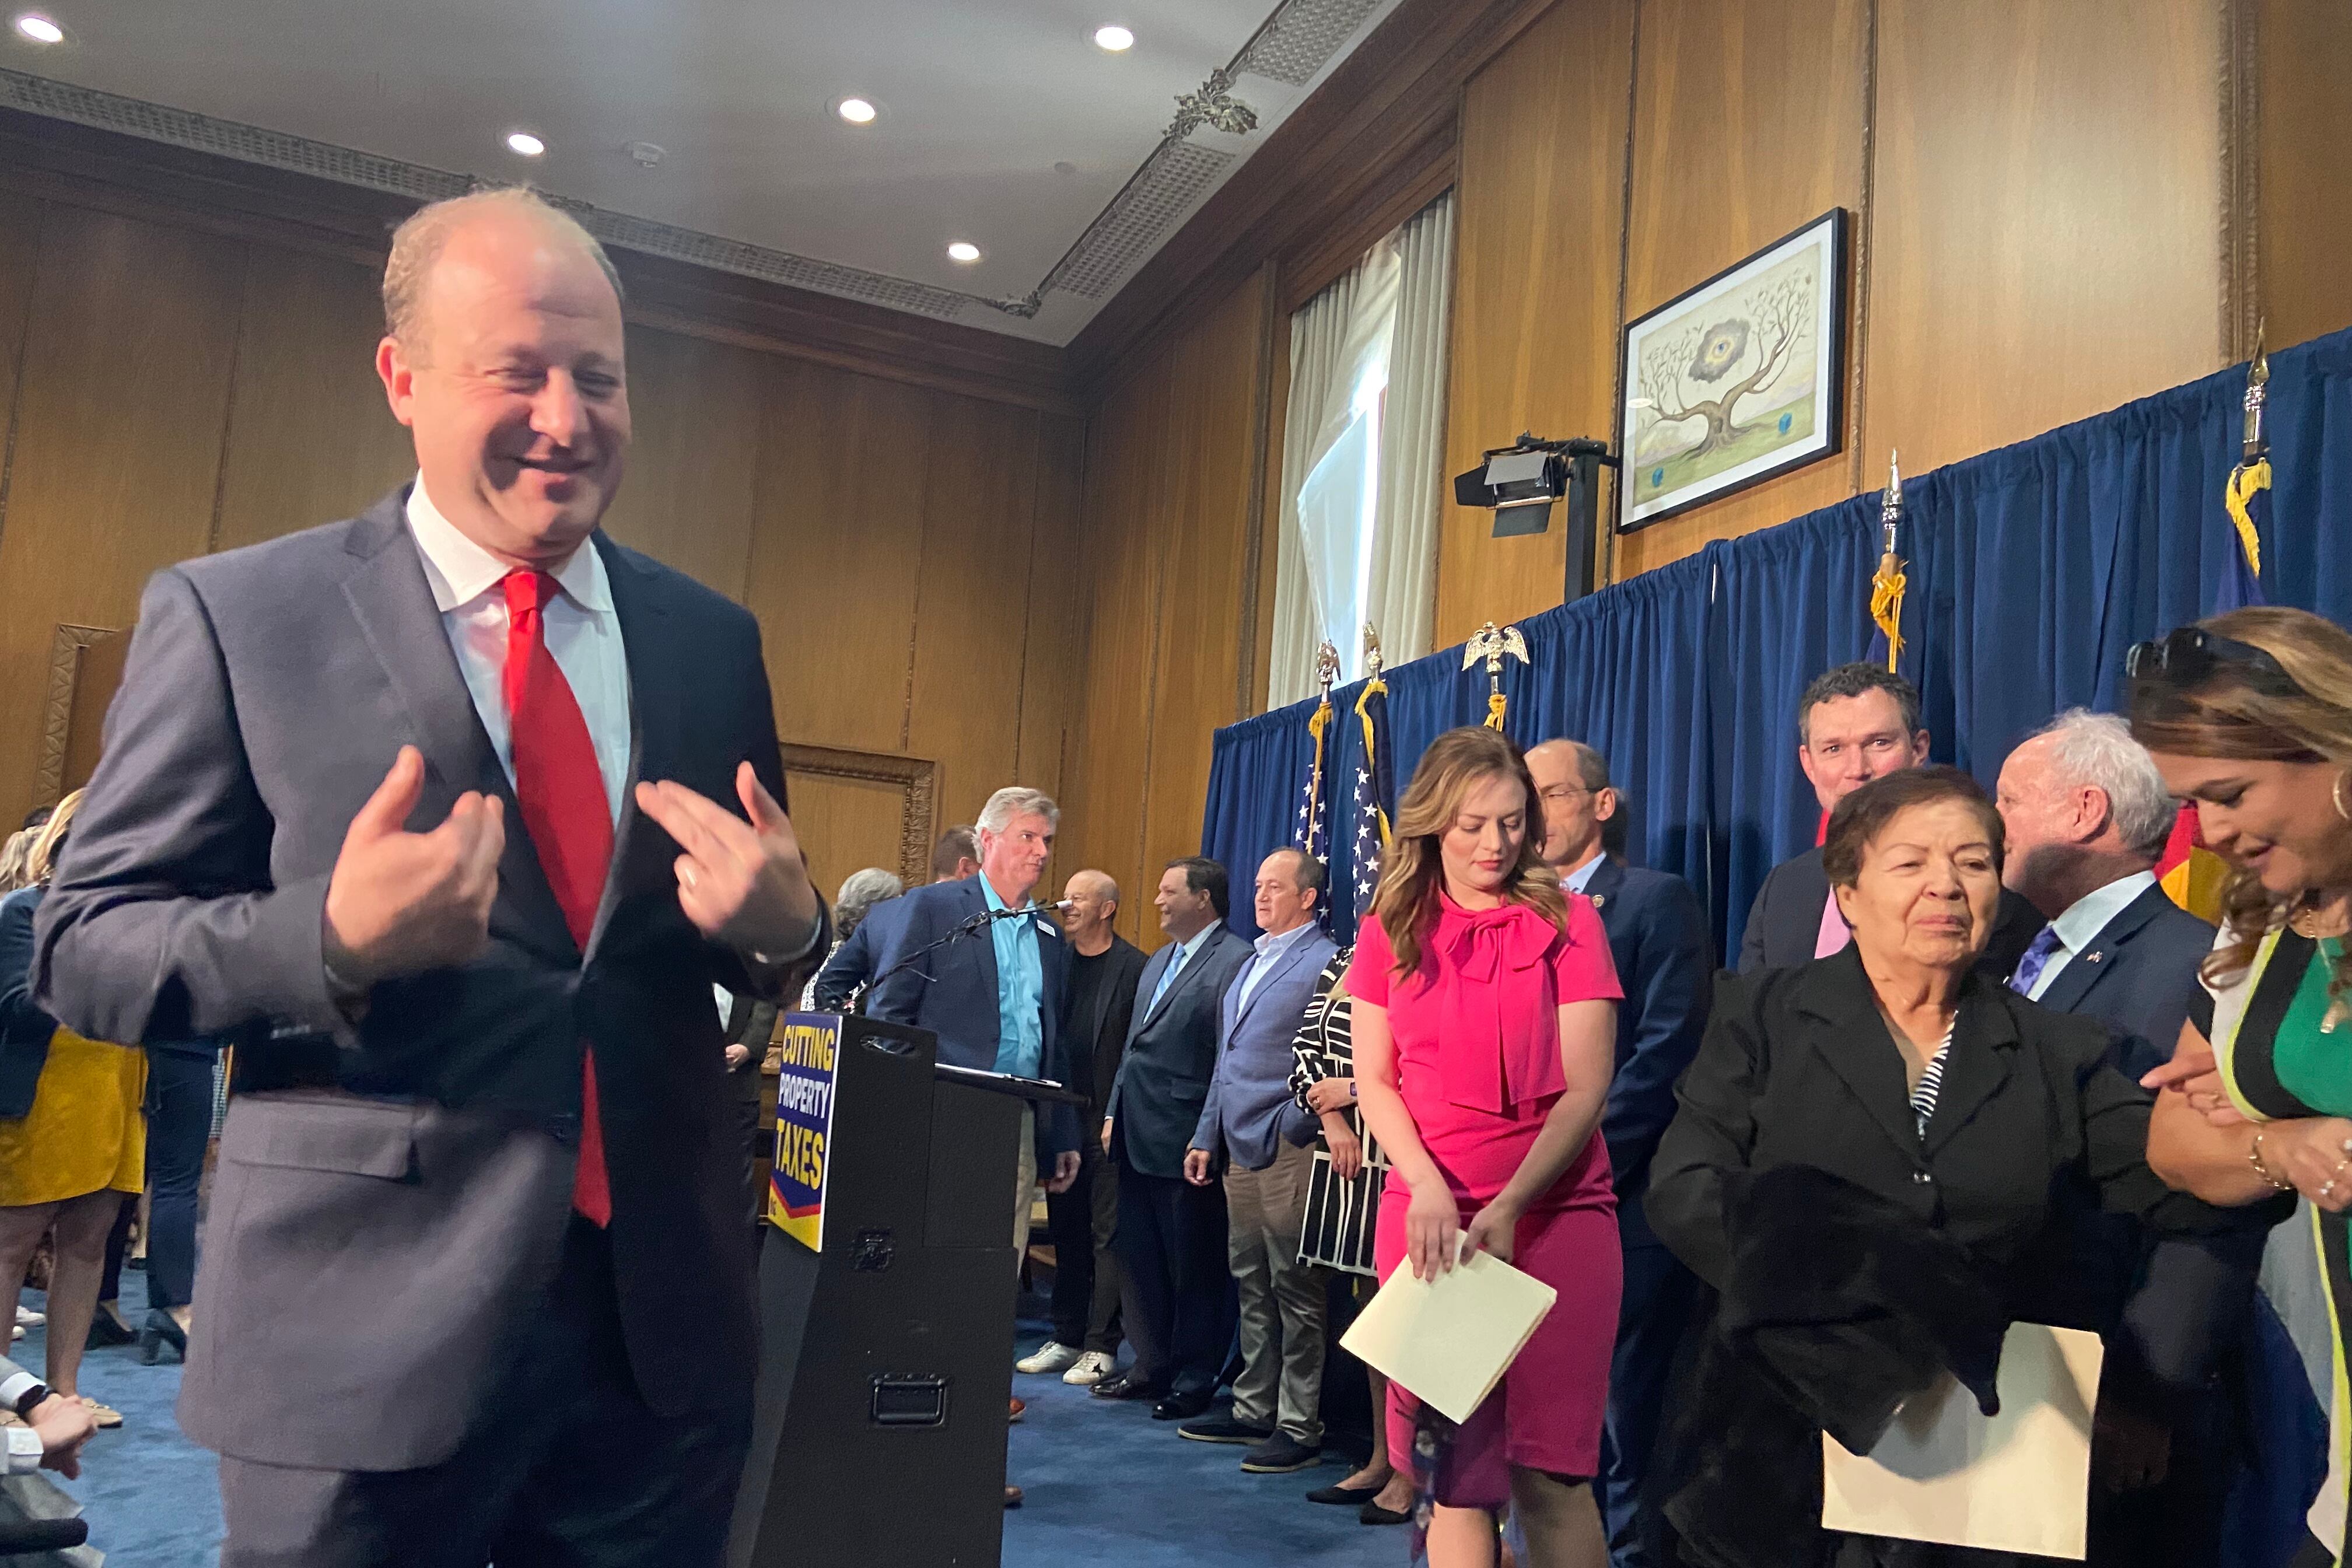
170,388
1173,567
2059,205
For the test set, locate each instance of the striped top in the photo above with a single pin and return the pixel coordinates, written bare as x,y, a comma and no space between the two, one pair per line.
1931,1082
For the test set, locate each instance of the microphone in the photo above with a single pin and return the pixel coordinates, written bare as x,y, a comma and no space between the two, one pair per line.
1059,906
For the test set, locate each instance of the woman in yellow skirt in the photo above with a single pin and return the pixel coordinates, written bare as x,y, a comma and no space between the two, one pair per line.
73,1142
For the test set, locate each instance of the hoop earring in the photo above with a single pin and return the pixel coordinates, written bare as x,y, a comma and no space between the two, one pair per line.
2337,795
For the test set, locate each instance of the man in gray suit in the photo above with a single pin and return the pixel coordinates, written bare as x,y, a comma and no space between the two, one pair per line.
1172,1232
1253,1129
477,1284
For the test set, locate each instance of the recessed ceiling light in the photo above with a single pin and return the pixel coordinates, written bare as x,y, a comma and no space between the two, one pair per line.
963,250
524,142
857,111
1117,40
39,28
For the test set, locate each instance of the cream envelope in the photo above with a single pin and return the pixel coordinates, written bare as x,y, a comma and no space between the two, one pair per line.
2018,1481
1448,1340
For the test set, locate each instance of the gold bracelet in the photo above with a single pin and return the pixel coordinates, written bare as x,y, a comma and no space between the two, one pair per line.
2254,1158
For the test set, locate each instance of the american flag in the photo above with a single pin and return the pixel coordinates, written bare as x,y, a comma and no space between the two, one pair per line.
1374,787
1312,832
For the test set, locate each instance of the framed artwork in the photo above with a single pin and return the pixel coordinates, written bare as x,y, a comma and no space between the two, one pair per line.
1736,380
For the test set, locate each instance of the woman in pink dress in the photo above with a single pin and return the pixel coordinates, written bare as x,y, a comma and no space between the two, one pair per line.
1485,1036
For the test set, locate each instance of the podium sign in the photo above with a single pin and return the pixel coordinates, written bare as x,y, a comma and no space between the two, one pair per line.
805,1094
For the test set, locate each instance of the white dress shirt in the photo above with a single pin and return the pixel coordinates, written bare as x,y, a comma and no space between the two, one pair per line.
2084,919
583,633
1270,950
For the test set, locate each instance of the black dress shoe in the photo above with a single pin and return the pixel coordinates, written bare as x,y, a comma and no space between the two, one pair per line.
1184,1406
1344,1496
1127,1385
160,1329
107,1330
1374,1513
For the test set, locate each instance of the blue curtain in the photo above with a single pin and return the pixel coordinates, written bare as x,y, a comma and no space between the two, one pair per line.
1257,775
2031,569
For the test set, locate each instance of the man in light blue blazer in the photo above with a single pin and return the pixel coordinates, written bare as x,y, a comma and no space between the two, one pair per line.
1252,1128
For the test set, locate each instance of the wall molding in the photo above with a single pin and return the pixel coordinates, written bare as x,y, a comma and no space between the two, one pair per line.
69,648
918,781
2241,88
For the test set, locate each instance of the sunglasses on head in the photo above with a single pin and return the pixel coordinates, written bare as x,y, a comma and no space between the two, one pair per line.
2186,657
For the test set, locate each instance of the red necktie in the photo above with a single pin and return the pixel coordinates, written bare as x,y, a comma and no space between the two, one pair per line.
561,792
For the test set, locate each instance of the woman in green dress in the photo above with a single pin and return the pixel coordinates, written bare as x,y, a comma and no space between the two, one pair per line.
2249,715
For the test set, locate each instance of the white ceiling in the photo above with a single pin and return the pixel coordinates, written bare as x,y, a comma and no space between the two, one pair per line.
1001,123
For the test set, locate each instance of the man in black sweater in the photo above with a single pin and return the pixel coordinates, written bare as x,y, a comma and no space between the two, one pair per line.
1104,969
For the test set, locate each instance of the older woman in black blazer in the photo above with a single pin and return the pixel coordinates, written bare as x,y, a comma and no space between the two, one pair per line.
1865,1164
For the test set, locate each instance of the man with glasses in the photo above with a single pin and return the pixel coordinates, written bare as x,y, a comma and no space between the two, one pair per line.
1657,934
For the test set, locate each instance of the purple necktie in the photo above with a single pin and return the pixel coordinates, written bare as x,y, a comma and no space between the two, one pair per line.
2036,960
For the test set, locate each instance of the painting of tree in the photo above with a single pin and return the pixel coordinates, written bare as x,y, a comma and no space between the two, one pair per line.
1705,353
1735,379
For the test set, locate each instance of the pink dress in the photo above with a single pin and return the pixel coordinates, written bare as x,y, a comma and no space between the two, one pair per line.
1477,1034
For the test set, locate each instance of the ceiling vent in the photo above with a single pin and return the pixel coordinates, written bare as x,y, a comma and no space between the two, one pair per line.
1132,227
1303,37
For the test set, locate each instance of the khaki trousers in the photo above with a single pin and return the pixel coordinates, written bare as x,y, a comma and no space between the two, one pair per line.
1282,1326
1024,1186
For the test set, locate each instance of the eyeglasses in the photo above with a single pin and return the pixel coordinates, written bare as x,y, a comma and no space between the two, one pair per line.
2185,658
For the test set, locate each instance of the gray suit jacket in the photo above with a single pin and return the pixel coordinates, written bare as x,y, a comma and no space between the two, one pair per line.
1171,1053
1250,1111
392,1201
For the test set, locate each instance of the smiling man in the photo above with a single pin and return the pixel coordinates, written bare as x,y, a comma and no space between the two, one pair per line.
453,814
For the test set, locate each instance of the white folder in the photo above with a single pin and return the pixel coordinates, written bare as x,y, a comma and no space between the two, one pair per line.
2018,1481
1448,1340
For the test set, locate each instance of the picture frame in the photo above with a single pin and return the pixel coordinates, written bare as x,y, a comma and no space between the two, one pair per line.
1737,379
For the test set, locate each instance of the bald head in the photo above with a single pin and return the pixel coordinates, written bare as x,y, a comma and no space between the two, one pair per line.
1094,906
1573,786
504,355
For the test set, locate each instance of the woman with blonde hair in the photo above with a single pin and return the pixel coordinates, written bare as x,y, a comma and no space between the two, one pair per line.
73,1144
2248,716
1484,1033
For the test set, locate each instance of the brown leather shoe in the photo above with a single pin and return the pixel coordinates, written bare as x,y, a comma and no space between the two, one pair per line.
1011,1496
1020,1406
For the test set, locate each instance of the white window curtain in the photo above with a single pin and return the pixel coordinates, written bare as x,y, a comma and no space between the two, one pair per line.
1361,458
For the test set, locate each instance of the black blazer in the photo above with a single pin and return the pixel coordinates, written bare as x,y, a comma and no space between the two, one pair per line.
752,1024
1784,923
1099,1041
1657,934
25,1029
1798,1069
952,992
1171,1053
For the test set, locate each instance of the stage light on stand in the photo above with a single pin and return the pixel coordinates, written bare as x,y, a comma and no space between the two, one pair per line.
1519,483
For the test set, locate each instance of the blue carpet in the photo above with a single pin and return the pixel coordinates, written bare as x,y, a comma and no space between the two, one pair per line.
1106,1483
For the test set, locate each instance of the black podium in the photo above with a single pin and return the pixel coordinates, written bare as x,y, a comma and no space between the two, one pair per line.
886,1353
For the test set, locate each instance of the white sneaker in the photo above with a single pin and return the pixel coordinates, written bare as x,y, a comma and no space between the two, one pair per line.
1052,1356
28,1319
1091,1369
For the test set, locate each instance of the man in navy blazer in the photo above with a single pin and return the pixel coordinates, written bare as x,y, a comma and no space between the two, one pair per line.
2087,814
1657,935
953,858
996,996
1171,1231
1254,1131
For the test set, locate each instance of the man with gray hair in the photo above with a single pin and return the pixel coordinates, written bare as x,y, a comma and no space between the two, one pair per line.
2087,815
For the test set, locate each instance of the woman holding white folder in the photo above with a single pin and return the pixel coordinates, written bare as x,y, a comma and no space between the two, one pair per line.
1485,1034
